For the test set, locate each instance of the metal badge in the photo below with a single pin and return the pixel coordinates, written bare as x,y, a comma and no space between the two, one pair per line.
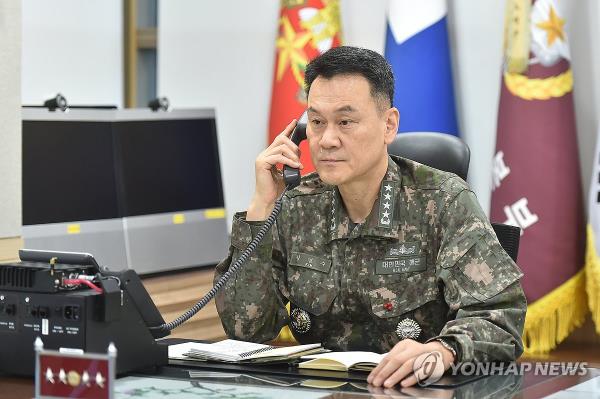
300,321
408,328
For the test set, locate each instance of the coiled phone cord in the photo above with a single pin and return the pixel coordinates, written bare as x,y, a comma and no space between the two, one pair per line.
229,273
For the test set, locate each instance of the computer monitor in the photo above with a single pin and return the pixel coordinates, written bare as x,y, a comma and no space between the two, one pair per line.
170,188
136,188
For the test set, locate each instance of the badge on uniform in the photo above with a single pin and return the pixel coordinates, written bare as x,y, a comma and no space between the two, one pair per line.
408,328
387,199
300,320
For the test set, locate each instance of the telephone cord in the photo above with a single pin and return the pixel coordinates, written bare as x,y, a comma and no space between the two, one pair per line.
229,273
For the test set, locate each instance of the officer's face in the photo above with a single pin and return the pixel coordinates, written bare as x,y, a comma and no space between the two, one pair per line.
347,130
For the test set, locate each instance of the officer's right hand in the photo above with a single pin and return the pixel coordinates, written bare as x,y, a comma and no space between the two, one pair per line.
269,180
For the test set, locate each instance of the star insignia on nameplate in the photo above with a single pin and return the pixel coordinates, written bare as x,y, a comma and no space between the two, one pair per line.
388,187
386,205
300,320
85,378
408,328
387,197
49,375
100,380
62,376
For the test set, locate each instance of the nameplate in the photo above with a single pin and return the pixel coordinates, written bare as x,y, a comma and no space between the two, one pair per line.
310,262
400,265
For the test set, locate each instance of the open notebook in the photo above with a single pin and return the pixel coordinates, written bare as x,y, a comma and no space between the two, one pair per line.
232,351
342,361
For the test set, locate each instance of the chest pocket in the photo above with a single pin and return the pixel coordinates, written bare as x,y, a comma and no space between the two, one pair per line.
311,285
394,299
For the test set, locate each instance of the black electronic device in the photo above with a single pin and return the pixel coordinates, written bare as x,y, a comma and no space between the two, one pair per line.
291,175
42,298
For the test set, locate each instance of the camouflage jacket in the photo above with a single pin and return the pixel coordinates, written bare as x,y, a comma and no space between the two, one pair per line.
425,265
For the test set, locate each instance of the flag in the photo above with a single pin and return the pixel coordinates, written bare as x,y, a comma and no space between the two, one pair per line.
536,176
307,28
416,46
592,261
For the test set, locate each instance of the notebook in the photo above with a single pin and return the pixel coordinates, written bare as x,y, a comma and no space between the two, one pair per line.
233,351
342,361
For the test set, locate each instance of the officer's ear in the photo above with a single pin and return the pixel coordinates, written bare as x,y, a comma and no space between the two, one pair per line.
392,120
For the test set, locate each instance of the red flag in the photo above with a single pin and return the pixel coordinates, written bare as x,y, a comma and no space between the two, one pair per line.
306,29
537,182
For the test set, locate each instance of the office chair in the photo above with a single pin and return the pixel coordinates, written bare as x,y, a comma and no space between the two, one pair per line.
450,154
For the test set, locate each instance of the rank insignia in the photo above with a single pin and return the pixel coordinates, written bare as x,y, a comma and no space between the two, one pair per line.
387,197
300,321
408,328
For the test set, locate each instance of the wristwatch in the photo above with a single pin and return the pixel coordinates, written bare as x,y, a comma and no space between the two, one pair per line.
448,346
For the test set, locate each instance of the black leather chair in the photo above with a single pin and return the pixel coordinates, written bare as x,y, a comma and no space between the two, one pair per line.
451,154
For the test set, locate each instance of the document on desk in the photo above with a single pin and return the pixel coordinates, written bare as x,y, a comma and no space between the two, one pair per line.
232,351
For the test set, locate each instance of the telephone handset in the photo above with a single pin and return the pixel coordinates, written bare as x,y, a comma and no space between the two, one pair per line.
291,175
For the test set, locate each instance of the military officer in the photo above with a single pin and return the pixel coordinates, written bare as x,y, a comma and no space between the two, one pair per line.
373,252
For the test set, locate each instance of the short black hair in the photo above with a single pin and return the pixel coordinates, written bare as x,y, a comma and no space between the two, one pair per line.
354,60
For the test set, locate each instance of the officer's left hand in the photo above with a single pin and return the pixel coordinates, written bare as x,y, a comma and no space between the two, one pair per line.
398,363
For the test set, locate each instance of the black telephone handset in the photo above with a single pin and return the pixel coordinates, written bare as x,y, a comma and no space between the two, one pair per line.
291,175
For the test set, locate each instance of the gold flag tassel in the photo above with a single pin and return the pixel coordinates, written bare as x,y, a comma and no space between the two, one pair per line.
592,274
517,36
554,316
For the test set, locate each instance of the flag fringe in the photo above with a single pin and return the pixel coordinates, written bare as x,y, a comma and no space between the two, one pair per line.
592,277
554,316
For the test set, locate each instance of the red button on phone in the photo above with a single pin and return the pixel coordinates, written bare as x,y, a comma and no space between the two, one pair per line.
388,306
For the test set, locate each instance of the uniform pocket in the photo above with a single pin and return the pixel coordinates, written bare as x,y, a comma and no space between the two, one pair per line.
311,285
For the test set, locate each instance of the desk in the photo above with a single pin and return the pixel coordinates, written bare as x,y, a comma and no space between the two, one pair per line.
181,382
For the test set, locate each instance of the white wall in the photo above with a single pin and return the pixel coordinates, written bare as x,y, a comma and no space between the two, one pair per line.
221,54
73,47
10,115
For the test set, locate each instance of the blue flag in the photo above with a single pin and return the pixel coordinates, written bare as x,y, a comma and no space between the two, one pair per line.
416,46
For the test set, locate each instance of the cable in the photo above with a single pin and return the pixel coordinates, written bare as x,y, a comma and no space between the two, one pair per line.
230,272
79,281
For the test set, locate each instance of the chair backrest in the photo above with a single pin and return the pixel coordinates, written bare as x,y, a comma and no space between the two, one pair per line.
450,154
509,237
441,151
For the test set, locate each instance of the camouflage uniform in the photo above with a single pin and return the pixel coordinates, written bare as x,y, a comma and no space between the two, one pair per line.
426,259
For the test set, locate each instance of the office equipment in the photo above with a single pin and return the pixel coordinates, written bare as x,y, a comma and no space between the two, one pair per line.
136,188
49,300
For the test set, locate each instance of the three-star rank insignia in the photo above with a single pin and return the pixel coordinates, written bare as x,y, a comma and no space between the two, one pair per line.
387,197
408,328
300,321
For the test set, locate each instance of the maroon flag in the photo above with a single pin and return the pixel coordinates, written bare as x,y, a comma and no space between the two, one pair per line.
536,176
